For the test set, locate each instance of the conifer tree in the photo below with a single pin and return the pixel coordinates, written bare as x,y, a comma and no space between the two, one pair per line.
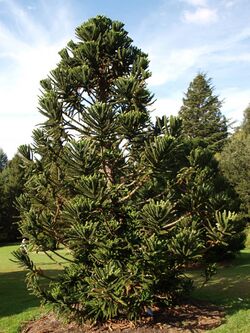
102,181
201,115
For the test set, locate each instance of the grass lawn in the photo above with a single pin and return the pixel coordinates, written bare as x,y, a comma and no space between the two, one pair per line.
16,304
229,288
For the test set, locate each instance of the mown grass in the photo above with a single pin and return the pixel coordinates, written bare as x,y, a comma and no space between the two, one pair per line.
17,305
230,288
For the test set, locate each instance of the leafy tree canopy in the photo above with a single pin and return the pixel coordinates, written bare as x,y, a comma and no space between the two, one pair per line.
3,159
246,121
235,161
12,179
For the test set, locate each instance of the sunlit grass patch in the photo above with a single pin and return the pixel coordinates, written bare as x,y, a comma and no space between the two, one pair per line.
17,305
230,288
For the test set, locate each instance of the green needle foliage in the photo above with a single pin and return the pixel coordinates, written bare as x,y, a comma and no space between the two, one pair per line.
108,185
201,115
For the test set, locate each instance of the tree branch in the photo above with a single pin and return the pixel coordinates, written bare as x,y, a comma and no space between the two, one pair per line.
134,190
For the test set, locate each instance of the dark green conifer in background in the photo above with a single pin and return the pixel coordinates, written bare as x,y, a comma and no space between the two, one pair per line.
201,115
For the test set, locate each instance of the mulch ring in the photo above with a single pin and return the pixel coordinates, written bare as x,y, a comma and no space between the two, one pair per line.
189,317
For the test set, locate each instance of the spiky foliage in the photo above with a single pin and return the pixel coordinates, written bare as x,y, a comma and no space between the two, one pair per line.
102,184
204,194
201,115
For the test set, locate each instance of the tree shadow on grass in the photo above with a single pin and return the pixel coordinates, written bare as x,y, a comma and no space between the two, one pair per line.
229,288
14,296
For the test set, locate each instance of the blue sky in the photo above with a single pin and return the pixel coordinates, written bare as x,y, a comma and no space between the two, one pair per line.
182,37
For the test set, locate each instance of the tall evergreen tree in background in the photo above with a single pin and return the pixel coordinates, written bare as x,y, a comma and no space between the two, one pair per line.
235,161
109,186
201,115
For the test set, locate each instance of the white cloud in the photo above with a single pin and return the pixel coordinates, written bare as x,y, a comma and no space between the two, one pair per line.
167,106
200,3
241,57
19,95
17,130
28,61
235,102
169,68
229,4
24,22
200,16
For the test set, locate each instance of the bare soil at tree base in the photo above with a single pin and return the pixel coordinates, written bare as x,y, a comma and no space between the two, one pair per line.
195,317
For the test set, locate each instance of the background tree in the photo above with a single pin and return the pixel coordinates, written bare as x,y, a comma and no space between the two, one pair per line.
246,121
3,163
12,180
3,159
101,180
201,115
235,161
